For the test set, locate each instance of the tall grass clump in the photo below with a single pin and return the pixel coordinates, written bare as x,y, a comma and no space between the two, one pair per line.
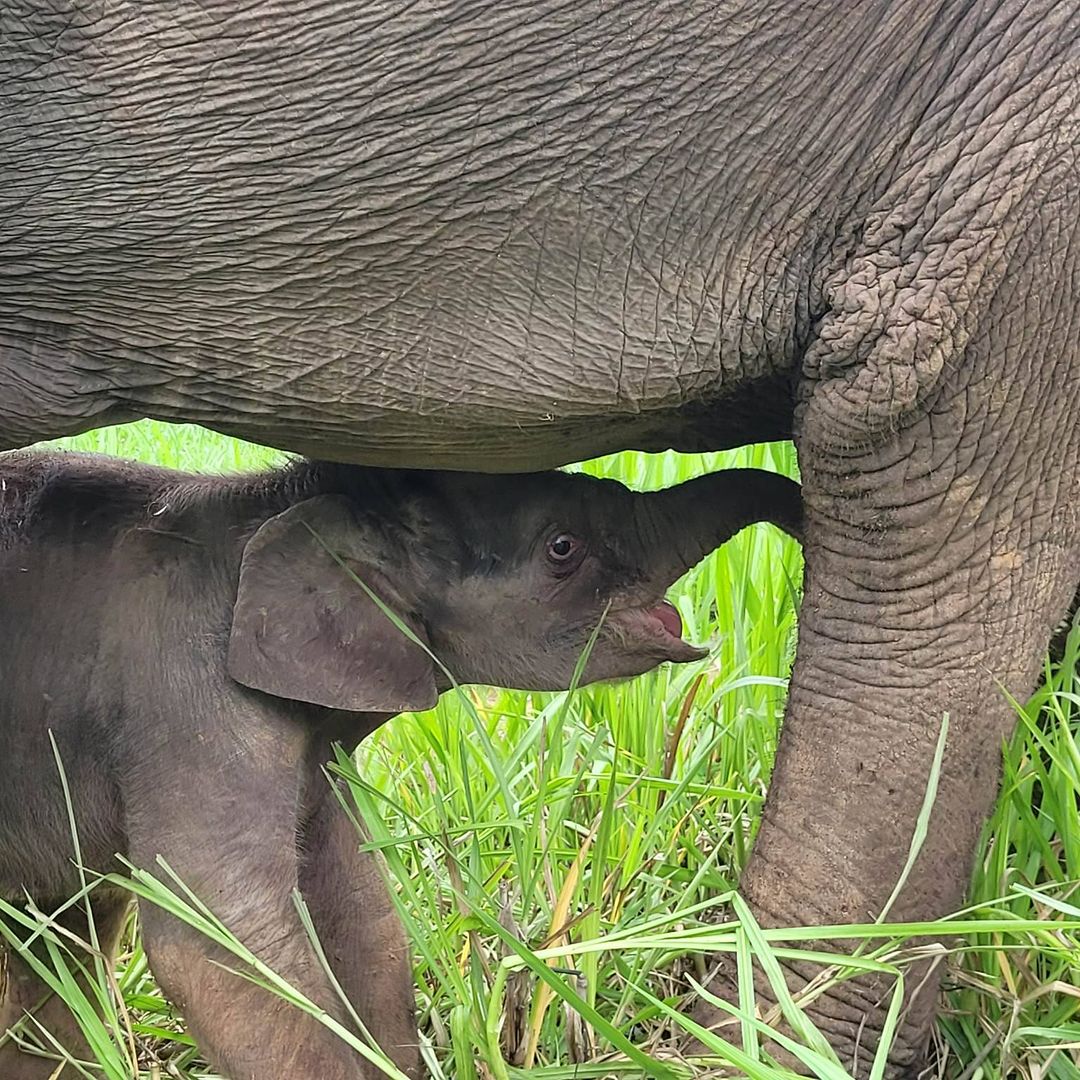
564,862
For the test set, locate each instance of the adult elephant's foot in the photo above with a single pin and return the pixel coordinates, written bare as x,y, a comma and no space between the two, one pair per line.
837,831
851,1017
851,1014
850,780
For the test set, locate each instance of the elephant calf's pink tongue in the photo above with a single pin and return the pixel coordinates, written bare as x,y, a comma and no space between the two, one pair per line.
668,617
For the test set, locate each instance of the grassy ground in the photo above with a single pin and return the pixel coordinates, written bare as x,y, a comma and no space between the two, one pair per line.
610,824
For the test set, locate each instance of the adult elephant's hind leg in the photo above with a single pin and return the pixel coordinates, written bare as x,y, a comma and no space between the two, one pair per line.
358,927
24,993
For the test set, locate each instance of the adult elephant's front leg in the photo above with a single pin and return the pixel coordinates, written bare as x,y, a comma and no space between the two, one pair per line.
938,561
358,928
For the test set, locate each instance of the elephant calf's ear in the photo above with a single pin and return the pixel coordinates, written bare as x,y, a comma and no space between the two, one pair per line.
304,629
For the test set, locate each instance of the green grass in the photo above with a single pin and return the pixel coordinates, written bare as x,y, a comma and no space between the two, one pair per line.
585,843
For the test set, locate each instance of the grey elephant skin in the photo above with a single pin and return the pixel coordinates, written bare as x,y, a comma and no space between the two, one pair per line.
503,237
196,645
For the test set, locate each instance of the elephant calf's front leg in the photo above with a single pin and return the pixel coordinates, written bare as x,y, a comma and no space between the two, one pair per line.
245,1031
358,927
23,995
239,856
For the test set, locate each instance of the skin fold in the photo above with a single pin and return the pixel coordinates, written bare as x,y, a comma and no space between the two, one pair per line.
196,646
506,236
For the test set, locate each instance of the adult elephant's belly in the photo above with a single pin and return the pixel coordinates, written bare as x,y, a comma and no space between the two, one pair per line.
402,391
429,361
393,386
472,434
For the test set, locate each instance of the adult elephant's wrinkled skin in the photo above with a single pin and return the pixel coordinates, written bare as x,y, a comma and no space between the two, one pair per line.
504,236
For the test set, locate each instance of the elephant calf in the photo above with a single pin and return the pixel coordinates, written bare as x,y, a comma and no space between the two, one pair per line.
196,644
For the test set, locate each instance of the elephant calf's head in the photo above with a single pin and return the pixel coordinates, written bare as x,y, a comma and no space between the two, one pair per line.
503,578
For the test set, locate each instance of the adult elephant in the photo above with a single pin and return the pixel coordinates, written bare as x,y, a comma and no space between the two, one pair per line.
461,233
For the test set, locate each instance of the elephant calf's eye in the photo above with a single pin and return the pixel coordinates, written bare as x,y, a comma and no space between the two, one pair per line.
563,549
